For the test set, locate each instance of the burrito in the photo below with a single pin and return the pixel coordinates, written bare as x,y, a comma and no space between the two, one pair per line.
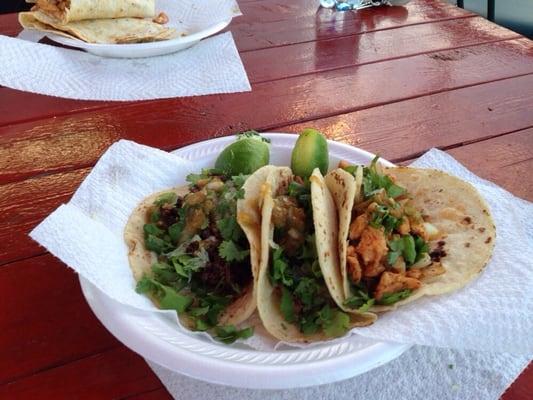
405,233
188,253
104,22
299,288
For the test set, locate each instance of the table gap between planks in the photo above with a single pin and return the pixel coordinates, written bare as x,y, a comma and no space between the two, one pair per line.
395,81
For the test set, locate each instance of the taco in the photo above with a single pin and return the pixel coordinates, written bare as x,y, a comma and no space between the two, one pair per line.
189,254
405,233
299,296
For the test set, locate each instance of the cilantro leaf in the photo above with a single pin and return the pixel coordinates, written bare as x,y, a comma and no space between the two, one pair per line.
168,298
391,298
286,305
229,251
155,215
360,301
157,245
409,250
334,322
421,247
166,198
239,180
306,290
152,229
175,230
229,333
229,228
280,267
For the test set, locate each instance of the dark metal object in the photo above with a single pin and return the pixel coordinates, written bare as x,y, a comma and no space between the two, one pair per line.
490,9
491,5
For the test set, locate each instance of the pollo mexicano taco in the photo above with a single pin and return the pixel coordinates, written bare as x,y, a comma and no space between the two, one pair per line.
298,286
405,233
189,254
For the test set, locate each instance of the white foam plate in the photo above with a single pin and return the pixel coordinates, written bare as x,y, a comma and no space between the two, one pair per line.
139,50
158,339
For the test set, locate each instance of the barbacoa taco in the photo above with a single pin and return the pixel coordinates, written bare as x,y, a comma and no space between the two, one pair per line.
189,254
405,233
299,288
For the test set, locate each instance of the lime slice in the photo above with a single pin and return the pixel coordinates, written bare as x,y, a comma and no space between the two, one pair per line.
310,152
246,155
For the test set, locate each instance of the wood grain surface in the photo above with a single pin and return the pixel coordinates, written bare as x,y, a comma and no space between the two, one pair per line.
393,80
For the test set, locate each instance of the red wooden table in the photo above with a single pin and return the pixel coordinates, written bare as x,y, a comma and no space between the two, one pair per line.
397,81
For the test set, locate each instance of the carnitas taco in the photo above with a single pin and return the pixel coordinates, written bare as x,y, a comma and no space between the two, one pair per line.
405,233
299,294
189,254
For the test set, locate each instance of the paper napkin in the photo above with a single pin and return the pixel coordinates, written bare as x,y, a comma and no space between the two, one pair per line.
211,66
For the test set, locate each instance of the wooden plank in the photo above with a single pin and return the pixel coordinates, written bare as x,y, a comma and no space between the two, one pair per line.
396,131
45,320
506,160
32,148
24,204
278,23
407,129
159,394
521,388
324,55
304,58
113,374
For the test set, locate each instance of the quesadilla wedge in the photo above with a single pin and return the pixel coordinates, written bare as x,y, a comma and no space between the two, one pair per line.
405,233
298,285
189,254
98,21
65,11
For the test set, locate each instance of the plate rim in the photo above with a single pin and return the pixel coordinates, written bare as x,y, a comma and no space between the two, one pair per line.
182,40
245,375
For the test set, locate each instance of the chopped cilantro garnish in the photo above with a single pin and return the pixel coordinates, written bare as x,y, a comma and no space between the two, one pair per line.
166,198
374,181
168,298
286,305
411,248
152,229
391,298
281,272
229,251
334,322
306,290
157,245
360,301
229,228
229,333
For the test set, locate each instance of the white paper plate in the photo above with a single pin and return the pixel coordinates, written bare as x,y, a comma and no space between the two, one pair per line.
158,339
138,50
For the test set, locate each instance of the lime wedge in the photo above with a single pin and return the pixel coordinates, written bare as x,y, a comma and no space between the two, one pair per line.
244,156
310,152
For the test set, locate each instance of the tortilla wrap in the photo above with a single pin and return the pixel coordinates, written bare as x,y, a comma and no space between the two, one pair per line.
465,226
141,259
65,11
268,301
103,31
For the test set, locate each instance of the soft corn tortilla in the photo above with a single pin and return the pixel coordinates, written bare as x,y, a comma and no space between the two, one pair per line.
141,259
452,205
103,31
79,10
268,302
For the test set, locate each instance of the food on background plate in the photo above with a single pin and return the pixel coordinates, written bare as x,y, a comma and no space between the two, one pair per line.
407,232
99,21
188,252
